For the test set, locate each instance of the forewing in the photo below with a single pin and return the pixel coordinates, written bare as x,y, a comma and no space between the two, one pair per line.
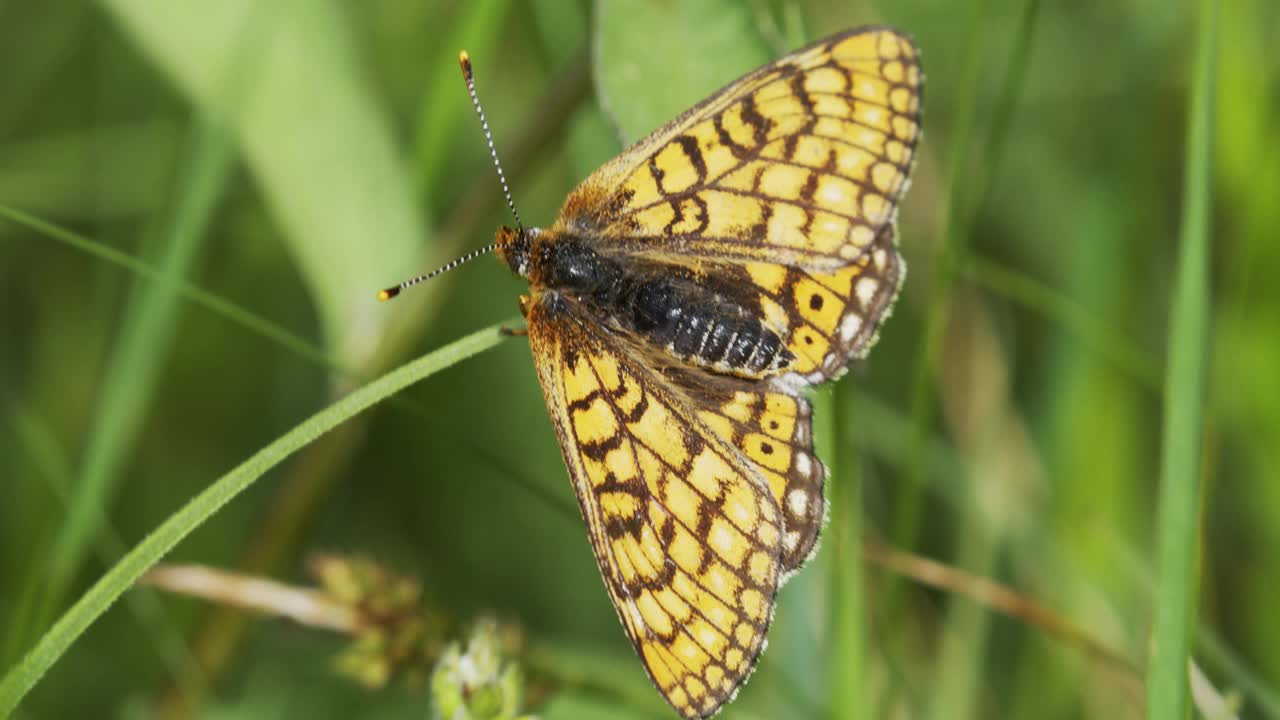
800,162
686,533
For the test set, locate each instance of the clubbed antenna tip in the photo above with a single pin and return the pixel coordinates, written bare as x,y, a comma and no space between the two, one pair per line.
464,61
391,292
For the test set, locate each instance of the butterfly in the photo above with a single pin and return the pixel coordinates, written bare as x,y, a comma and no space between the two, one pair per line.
689,292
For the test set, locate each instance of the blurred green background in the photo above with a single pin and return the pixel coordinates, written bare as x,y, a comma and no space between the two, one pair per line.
292,157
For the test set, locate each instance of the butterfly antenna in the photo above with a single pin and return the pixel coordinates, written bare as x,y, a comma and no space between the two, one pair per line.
465,61
386,294
391,292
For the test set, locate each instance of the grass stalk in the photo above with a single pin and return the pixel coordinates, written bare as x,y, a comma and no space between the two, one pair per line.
1177,526
149,324
19,680
906,523
845,662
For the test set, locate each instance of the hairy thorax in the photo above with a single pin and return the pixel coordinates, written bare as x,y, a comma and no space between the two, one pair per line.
662,306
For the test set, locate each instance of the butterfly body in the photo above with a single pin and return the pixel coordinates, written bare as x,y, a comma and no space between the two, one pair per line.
689,292
670,307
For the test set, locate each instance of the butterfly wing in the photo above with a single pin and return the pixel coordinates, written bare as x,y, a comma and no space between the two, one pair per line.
770,424
829,319
685,531
701,492
800,162
826,320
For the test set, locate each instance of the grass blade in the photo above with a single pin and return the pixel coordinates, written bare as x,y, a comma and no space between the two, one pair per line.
215,304
21,678
307,90
443,104
1184,401
846,669
53,467
906,521
1256,689
1059,308
147,331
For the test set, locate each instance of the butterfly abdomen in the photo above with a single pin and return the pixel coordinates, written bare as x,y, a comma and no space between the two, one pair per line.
669,310
699,327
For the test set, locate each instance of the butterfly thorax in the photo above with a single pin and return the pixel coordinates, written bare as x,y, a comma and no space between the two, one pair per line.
665,306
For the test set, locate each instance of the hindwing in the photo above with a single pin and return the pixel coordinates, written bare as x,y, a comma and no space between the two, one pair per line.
771,426
685,530
828,319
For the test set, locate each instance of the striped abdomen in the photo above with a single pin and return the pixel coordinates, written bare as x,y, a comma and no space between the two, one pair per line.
702,329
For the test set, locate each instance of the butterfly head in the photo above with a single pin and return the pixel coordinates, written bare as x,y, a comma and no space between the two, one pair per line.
515,247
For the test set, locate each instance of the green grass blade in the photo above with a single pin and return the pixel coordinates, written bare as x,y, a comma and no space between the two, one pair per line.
213,303
147,331
444,105
845,667
906,522
264,328
1184,400
313,133
1021,288
20,679
47,461
53,467
1256,689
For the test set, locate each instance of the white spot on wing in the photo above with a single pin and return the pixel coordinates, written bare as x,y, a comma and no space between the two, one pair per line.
798,502
866,290
850,326
881,258
803,464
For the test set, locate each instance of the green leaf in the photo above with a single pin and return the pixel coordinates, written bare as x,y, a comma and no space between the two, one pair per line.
656,60
313,133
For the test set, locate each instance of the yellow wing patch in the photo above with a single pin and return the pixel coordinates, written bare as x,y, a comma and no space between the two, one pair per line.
829,319
801,163
771,426
686,532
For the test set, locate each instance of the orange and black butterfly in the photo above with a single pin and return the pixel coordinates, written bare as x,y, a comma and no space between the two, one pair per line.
689,292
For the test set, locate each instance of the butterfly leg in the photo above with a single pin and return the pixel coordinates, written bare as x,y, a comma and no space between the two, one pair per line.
525,300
